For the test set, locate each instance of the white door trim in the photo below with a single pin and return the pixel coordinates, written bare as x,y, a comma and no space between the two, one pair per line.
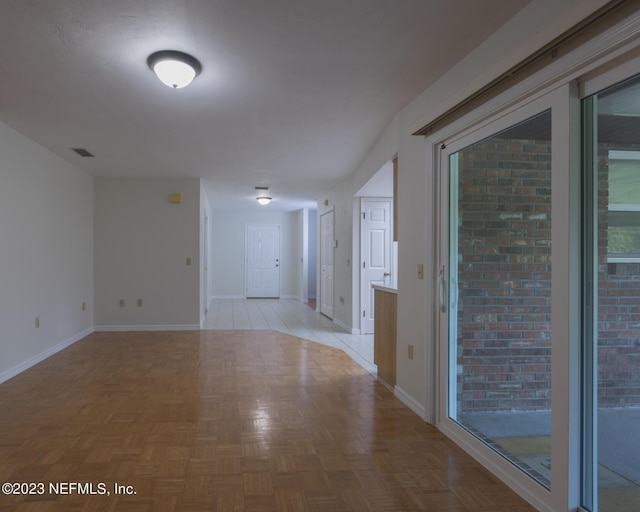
324,307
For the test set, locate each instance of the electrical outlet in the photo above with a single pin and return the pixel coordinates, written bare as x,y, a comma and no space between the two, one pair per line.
139,303
188,262
420,271
341,299
121,303
37,322
410,351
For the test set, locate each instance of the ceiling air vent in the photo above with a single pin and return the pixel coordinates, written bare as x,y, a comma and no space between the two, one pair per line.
82,152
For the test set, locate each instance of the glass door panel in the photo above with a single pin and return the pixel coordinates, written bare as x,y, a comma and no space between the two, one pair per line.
612,259
500,290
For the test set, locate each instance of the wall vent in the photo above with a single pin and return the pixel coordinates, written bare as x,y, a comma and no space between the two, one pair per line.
82,152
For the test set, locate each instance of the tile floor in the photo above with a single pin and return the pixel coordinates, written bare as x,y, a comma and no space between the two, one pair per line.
293,317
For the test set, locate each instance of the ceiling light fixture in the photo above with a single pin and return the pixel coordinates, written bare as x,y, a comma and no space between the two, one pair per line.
174,69
263,199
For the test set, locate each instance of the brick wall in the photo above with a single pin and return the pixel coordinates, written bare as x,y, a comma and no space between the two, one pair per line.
504,273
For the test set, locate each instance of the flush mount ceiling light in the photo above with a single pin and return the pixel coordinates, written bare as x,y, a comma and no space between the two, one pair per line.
263,199
174,69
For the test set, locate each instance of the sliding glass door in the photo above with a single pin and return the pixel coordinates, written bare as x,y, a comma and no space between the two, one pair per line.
538,247
611,361
500,291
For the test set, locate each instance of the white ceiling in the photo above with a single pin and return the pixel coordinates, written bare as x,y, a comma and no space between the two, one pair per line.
293,93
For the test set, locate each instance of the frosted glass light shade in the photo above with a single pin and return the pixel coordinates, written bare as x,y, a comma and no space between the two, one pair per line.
263,200
174,69
174,74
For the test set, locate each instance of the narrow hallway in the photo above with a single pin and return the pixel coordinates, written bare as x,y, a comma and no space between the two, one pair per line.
289,316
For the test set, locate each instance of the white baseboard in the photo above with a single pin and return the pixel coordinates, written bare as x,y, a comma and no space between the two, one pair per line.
12,372
410,402
214,297
138,328
343,326
385,384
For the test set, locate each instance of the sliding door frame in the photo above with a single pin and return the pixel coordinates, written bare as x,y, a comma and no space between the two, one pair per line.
608,57
565,303
592,84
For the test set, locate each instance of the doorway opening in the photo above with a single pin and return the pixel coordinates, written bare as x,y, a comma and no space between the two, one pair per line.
327,245
377,251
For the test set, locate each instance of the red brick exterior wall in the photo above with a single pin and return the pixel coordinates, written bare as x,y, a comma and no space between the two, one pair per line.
504,276
504,285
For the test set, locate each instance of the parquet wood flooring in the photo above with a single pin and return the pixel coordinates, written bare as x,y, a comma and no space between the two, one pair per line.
225,421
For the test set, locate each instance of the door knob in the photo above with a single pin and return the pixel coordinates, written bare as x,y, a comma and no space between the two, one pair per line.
386,274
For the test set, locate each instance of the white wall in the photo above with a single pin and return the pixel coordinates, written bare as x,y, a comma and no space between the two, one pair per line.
347,228
46,253
306,253
205,254
302,220
537,24
340,199
142,242
312,257
228,250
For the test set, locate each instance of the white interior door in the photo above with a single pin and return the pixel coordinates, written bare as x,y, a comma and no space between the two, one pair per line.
326,263
375,250
263,261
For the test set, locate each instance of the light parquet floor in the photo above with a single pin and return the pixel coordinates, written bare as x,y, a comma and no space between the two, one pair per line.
226,421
